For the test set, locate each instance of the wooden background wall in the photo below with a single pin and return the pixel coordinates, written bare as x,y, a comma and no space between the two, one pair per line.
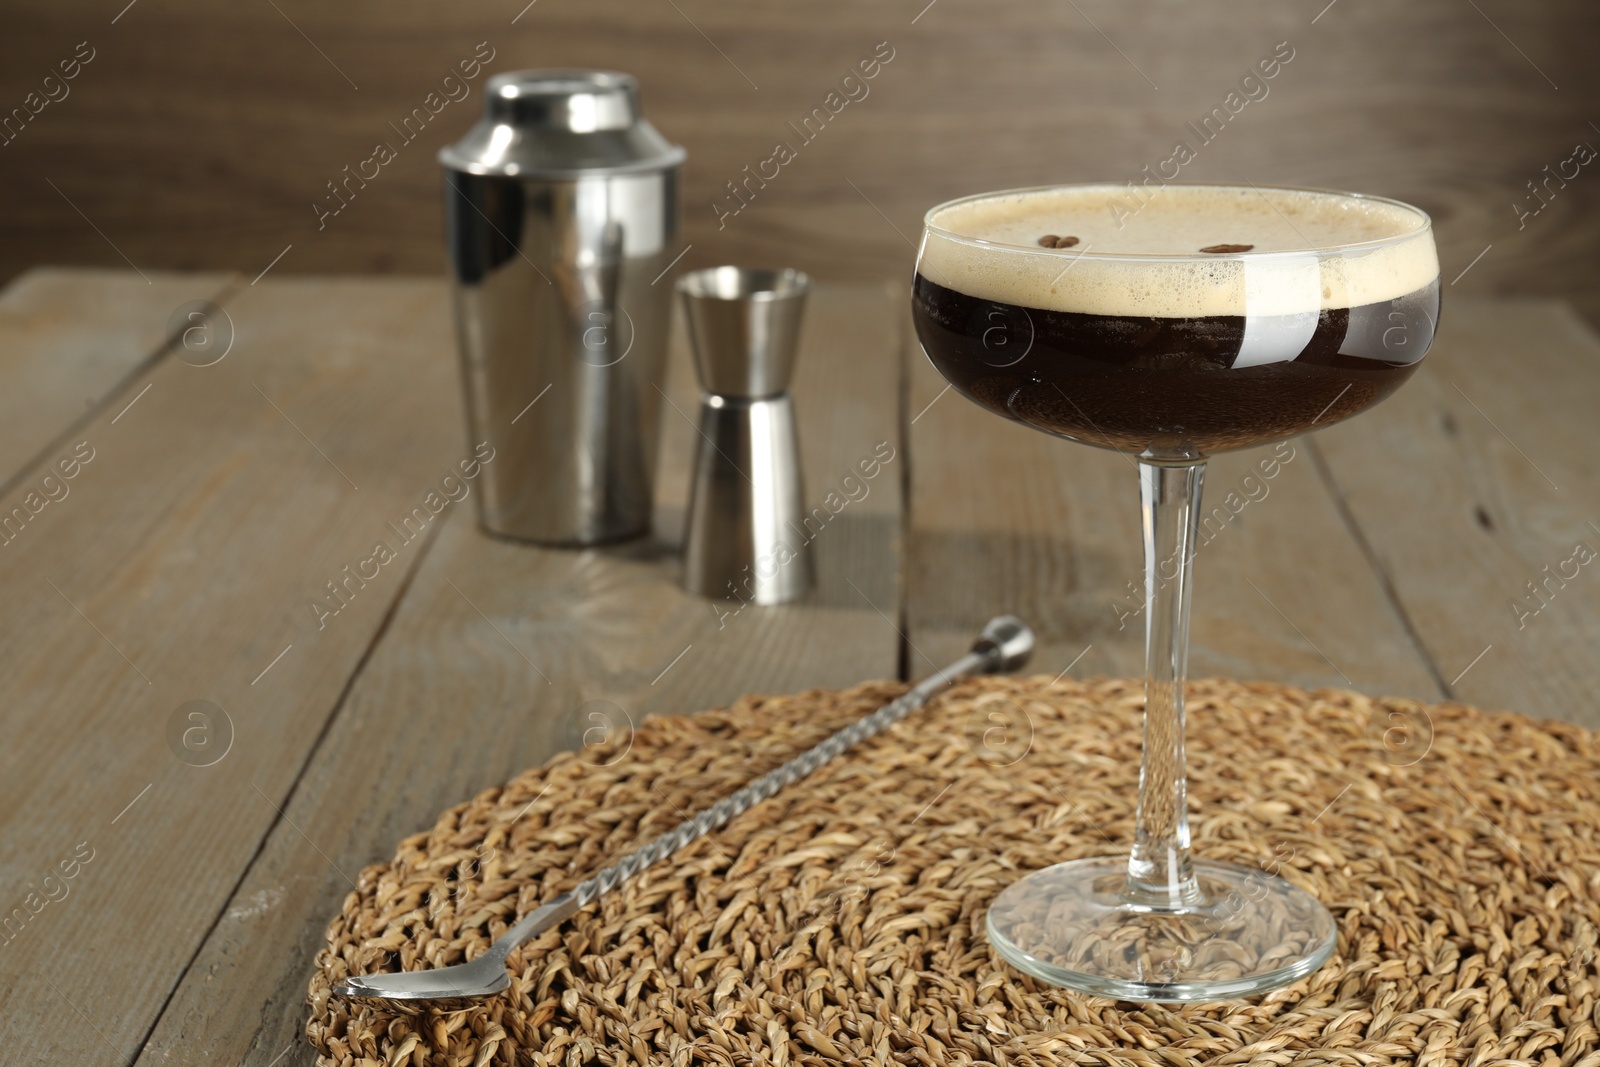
201,134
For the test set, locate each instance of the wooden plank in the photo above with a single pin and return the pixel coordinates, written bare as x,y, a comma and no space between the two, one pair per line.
1476,480
182,566
70,338
1004,518
500,651
220,86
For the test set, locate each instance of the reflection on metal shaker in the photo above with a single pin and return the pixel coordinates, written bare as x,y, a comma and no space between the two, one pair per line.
562,213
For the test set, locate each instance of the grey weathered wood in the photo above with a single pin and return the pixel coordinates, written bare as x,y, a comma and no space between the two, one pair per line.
70,338
192,544
1472,480
497,651
204,526
1004,518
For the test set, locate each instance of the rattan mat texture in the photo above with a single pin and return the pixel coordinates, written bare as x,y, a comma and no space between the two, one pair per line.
843,919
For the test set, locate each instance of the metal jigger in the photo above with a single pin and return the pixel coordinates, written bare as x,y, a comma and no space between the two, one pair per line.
745,536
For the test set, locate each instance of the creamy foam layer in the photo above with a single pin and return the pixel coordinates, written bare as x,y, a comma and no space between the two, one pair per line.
1280,275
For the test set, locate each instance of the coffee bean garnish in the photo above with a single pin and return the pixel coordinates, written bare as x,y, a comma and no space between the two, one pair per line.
1050,240
1227,249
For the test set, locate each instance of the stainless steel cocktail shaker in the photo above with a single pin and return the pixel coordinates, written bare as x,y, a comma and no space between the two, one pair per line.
562,213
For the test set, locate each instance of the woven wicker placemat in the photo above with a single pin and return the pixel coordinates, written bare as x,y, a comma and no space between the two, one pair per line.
842,920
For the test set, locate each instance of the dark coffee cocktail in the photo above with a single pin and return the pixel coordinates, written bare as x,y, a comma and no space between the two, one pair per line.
1131,337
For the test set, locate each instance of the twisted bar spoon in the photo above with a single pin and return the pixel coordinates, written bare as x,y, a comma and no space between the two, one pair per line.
1004,645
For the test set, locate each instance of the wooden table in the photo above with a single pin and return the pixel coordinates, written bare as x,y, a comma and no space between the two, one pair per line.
210,507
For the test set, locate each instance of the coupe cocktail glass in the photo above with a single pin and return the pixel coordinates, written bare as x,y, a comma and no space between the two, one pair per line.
1170,327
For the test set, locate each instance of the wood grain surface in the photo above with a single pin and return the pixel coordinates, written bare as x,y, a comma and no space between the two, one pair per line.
70,339
180,565
1474,487
202,136
216,505
502,654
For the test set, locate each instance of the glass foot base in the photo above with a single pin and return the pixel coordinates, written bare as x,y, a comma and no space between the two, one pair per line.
1071,925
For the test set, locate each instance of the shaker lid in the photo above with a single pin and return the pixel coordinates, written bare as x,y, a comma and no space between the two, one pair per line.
561,123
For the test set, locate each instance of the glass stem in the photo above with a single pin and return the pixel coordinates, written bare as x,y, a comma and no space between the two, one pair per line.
1160,874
